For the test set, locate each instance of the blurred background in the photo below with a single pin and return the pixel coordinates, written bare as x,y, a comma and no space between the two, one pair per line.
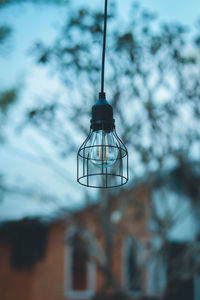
59,240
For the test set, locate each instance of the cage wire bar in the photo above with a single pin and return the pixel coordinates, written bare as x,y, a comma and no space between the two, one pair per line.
94,176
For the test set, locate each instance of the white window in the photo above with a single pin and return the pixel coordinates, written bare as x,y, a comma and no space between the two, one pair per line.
79,269
156,269
132,266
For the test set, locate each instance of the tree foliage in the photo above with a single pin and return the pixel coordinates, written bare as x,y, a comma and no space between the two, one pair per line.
4,3
152,81
5,31
7,98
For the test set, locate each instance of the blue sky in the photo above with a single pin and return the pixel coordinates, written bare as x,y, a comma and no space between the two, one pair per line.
17,66
37,22
174,10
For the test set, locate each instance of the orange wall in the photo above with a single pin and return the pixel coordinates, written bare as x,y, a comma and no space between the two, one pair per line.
14,285
49,273
45,281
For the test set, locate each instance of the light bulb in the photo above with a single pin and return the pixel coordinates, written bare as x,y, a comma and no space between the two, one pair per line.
104,150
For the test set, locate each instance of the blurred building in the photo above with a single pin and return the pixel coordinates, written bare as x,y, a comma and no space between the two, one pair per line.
40,261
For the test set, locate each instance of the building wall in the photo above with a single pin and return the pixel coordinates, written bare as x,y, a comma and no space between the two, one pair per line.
14,284
47,279
48,274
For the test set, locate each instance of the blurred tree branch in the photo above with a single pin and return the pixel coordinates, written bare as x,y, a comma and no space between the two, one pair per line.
4,3
153,76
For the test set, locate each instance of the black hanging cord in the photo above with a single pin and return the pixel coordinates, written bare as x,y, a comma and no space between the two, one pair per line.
102,94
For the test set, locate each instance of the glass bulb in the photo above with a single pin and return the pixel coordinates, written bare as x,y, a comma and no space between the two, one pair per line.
104,149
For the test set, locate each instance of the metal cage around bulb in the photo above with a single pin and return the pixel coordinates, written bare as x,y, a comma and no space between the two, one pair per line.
102,160
101,176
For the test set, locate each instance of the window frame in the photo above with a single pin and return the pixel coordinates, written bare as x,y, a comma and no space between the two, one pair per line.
126,244
91,272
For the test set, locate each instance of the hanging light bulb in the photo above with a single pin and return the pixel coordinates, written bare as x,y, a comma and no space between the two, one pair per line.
103,148
102,159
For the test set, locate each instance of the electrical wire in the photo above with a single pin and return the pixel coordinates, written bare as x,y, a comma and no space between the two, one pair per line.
104,48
